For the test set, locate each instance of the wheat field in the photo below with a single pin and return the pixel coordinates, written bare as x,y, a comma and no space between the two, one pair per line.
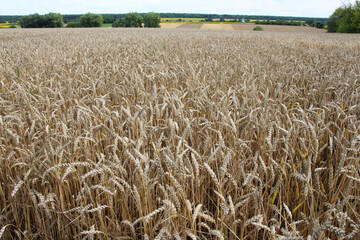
179,134
217,26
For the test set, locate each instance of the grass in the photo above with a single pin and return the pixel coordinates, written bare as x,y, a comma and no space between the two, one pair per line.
178,134
8,25
106,25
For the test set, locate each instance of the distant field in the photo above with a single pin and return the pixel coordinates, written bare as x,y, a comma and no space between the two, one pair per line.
190,25
262,20
182,19
278,28
196,20
7,25
242,27
226,19
190,19
218,26
170,25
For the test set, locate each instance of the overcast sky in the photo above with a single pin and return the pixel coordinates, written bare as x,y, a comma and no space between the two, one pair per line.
304,8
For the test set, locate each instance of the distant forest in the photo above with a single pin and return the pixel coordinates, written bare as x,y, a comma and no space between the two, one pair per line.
76,17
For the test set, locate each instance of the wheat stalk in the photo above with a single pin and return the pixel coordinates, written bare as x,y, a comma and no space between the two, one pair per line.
187,134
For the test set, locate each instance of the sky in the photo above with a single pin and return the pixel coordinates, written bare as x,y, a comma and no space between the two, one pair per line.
303,8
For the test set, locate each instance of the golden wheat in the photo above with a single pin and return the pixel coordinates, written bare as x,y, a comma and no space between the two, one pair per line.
179,134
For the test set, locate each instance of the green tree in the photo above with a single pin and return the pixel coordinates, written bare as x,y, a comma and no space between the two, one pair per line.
208,19
50,20
53,20
319,24
152,20
345,19
108,19
133,20
332,23
31,21
310,22
91,20
119,23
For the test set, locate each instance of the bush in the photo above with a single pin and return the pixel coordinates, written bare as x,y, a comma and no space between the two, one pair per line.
258,28
133,20
119,23
319,24
73,25
12,26
91,20
345,19
314,23
152,20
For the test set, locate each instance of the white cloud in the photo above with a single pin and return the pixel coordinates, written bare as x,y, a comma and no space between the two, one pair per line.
306,8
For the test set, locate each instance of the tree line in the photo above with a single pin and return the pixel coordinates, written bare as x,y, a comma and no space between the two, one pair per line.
50,20
149,20
136,20
345,19
311,22
54,20
111,18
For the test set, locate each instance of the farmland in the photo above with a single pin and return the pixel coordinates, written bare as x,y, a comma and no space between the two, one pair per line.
220,26
241,27
8,25
182,20
179,134
193,20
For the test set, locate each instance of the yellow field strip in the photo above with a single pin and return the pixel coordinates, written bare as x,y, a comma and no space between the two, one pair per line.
217,26
170,25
